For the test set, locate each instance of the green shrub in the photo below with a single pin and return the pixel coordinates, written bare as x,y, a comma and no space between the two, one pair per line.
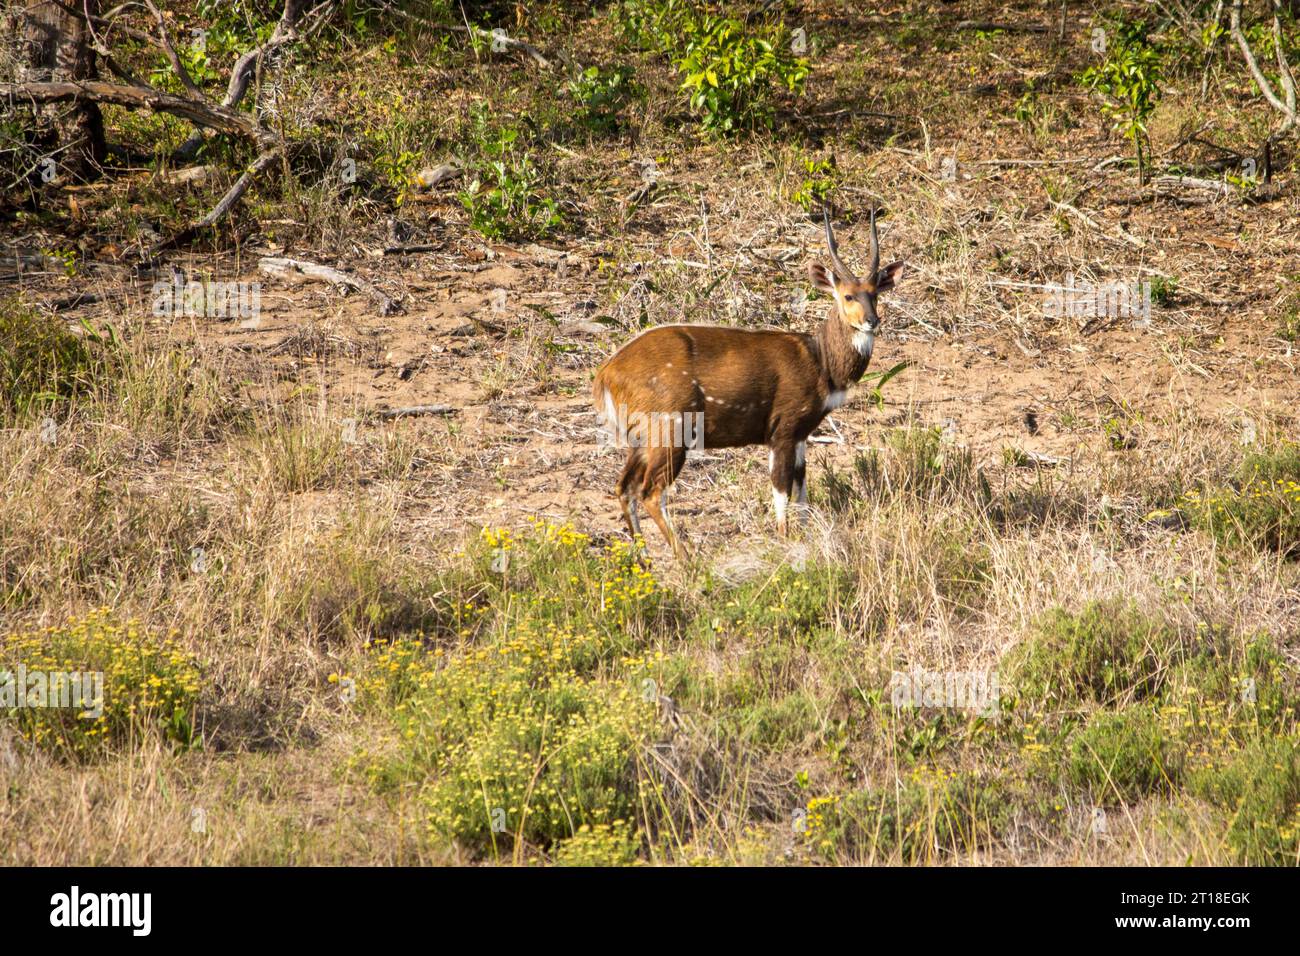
1129,77
654,24
601,95
733,72
503,203
149,687
820,177
1258,788
519,744
1259,509
1125,754
605,844
733,75
1107,653
787,605
503,199
1239,689
42,362
535,724
931,814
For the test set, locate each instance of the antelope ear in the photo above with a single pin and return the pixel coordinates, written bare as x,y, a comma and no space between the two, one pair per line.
889,276
822,278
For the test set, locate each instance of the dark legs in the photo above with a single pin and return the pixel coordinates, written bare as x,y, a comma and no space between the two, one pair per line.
647,475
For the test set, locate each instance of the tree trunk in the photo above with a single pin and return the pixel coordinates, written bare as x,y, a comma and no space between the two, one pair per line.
58,49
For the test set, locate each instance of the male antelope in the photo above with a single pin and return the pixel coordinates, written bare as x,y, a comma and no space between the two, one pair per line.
747,387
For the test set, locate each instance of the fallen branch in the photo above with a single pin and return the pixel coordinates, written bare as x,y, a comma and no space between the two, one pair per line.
1089,221
287,30
413,247
137,96
195,106
281,267
1170,183
1286,102
988,26
409,410
223,205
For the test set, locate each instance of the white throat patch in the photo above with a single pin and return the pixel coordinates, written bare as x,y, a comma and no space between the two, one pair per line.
864,341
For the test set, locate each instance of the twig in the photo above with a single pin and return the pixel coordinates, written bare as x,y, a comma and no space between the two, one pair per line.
273,265
989,25
1286,104
165,41
409,410
1216,186
223,205
1083,217
413,247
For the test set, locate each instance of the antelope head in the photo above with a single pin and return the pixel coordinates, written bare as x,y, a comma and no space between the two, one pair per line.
855,298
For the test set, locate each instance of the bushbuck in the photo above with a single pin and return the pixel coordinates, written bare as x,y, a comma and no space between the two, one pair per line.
710,386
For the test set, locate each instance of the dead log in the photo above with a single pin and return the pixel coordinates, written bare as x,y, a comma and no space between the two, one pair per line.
407,411
284,268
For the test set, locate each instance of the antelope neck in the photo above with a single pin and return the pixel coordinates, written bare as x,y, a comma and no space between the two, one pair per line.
840,355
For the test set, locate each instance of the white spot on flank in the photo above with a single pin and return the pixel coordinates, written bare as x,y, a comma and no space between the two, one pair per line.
835,399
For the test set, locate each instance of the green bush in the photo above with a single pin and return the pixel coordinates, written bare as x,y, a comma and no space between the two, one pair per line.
733,72
933,813
1259,509
42,362
1129,77
534,725
605,844
788,605
503,199
520,744
601,95
1124,754
149,687
1107,653
733,76
1259,789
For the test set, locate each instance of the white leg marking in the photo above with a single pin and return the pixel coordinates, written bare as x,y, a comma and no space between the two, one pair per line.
663,507
779,501
801,460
